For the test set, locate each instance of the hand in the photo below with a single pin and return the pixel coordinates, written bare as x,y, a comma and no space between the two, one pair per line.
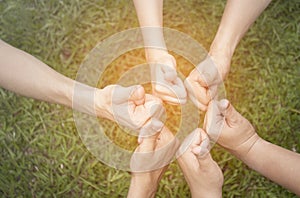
202,83
130,107
229,128
201,172
165,82
149,162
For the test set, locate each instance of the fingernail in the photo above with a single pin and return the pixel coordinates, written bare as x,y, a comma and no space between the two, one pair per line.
205,143
200,151
203,151
196,150
224,103
140,140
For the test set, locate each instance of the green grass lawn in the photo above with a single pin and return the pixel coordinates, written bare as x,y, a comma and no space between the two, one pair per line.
41,152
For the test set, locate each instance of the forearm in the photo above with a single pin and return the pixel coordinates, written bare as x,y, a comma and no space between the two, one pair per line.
149,12
25,75
238,16
276,163
137,190
150,16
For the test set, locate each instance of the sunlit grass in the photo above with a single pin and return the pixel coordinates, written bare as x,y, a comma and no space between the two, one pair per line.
43,156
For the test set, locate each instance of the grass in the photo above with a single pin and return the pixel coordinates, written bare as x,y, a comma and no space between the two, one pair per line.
41,152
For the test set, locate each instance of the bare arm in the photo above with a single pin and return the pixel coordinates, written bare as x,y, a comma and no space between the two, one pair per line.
150,16
276,163
235,133
237,18
25,75
165,82
150,161
22,73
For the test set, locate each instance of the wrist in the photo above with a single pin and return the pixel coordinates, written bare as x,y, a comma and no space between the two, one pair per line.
245,148
102,104
225,41
152,55
83,98
141,186
154,42
61,93
221,59
224,48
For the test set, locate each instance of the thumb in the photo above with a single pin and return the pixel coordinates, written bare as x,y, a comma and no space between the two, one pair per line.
149,134
170,73
208,74
214,120
192,140
230,113
202,151
168,66
137,95
122,94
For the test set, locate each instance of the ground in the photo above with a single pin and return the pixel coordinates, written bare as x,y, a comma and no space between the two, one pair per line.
42,154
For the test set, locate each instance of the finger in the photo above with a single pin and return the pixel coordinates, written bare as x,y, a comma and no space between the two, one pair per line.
191,92
180,89
198,91
208,74
170,76
138,95
223,105
166,138
123,118
212,92
169,73
199,105
124,94
154,152
166,66
214,120
202,150
169,61
171,100
154,106
171,93
135,117
232,116
192,140
148,134
176,91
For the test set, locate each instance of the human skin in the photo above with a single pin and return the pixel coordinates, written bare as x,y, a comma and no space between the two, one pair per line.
235,133
237,18
130,106
165,82
201,172
150,161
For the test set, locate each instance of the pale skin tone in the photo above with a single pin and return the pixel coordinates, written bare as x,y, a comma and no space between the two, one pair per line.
237,18
130,106
145,180
254,151
237,135
154,151
165,82
202,173
203,81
